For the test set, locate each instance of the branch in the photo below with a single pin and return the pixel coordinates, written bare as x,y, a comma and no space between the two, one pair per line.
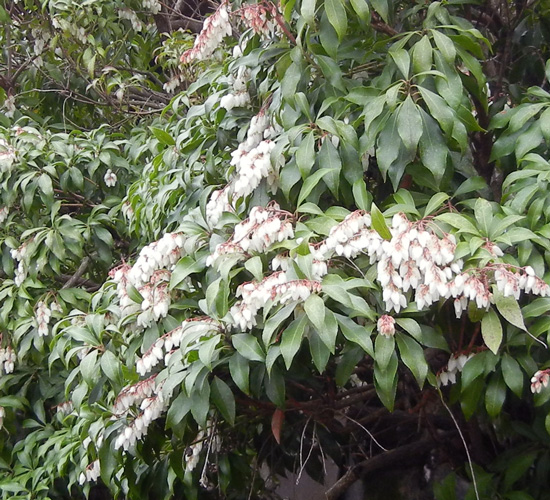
76,276
408,454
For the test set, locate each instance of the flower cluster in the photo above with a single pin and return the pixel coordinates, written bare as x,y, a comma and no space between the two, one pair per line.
261,18
110,178
539,380
19,254
7,359
192,454
283,262
131,16
63,24
150,276
173,83
152,6
43,315
454,366
4,212
386,325
252,163
156,299
511,283
64,408
91,473
7,156
151,409
275,288
132,395
240,96
414,258
262,228
475,285
215,29
10,108
189,332
252,167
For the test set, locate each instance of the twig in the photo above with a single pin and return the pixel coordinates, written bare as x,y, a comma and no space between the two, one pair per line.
76,276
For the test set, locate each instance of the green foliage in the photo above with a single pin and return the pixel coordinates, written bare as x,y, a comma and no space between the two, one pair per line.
242,262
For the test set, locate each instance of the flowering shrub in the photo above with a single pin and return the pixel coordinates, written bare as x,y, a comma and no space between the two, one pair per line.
311,232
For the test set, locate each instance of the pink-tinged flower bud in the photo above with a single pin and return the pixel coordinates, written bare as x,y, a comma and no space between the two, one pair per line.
386,325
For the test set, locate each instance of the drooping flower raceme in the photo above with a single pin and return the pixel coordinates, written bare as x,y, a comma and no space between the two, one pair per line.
7,360
150,276
190,332
261,18
151,409
215,29
276,288
90,474
252,163
455,365
262,228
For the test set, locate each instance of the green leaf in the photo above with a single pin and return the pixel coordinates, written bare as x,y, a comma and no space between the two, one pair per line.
308,11
185,266
513,376
207,349
361,8
292,339
491,330
305,155
484,215
403,61
312,182
435,202
319,351
328,330
247,346
439,109
413,357
200,404
337,16
163,137
111,367
544,121
314,307
433,148
330,159
255,267
275,387
509,308
445,46
239,368
382,7
273,322
224,400
358,334
495,395
422,55
459,222
180,407
385,382
134,294
347,364
409,124
362,198
384,347
379,223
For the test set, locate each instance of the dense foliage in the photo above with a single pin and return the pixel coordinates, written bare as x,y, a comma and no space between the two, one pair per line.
242,239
